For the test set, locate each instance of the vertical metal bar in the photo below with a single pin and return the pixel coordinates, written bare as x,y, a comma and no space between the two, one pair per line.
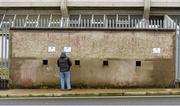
117,20
176,24
52,23
76,23
135,22
44,22
20,23
122,23
32,22
144,24
2,20
26,20
92,20
100,23
177,53
140,24
129,20
132,23
67,22
96,23
5,47
170,24
110,23
79,21
16,23
155,24
167,24
61,22
2,46
72,23
27,23
107,23
37,21
8,48
151,25
84,23
104,20
41,22
57,23
50,19
125,22
13,22
23,21
93,23
87,23
160,24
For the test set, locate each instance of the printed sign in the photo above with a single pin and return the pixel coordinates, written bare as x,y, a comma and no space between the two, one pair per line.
156,50
67,49
51,49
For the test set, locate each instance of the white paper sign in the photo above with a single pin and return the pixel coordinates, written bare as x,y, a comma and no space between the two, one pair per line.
67,49
156,50
51,49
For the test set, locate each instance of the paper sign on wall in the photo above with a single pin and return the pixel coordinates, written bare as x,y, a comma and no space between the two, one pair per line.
67,49
156,50
51,49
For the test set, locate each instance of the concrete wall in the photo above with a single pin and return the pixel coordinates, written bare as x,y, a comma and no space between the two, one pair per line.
121,48
88,3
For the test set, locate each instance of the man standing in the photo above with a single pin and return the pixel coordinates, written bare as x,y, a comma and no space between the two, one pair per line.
65,64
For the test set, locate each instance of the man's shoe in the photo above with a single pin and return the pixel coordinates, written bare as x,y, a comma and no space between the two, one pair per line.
62,89
69,89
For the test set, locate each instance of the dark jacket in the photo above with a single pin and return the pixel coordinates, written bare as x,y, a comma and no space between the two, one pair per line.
64,63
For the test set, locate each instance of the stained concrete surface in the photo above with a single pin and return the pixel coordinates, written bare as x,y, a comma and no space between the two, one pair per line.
121,48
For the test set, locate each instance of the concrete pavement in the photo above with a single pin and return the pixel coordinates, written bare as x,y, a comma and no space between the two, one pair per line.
87,92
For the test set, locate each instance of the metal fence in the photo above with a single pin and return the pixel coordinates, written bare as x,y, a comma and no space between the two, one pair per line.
95,23
4,62
30,21
85,21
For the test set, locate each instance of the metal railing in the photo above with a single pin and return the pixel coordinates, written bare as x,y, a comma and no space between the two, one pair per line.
84,21
95,23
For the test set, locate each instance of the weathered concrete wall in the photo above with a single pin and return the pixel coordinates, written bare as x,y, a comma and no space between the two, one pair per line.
121,48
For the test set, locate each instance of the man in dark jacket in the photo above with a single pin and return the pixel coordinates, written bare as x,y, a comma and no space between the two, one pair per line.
64,63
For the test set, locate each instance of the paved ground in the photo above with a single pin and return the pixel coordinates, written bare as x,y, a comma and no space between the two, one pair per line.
86,92
100,101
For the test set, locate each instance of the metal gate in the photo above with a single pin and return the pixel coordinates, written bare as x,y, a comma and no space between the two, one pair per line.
4,55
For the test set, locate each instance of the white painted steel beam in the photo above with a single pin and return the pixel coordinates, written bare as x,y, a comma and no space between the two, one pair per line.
147,5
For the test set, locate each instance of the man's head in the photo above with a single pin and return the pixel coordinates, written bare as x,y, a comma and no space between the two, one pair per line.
63,55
